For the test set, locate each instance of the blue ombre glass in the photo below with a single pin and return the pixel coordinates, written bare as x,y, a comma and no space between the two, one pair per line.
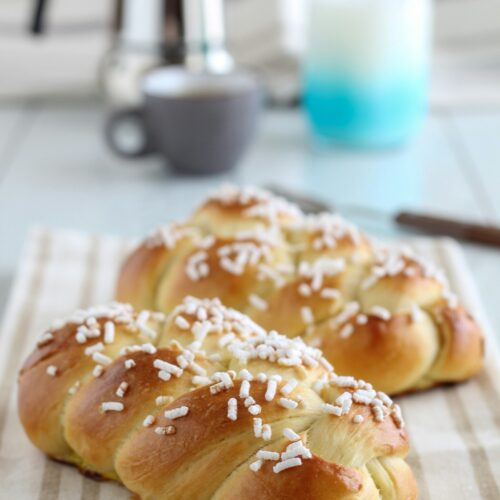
366,69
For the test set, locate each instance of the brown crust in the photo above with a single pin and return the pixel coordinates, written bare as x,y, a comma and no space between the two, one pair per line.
331,437
393,355
462,349
41,398
398,293
315,479
141,272
283,312
139,275
228,218
96,437
232,289
143,463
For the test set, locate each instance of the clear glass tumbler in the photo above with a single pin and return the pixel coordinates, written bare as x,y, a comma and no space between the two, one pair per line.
366,69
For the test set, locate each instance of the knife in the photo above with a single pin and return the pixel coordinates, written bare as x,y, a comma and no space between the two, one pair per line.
485,234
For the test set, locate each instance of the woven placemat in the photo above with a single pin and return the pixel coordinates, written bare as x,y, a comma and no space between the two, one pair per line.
454,431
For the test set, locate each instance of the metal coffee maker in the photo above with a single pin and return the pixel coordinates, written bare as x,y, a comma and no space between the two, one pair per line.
154,33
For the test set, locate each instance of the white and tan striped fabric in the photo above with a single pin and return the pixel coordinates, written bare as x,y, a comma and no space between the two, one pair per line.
455,431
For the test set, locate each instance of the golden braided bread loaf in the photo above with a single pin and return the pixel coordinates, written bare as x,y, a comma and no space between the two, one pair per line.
207,404
384,316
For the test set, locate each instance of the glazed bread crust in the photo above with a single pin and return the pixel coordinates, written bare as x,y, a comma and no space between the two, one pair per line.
313,276
207,404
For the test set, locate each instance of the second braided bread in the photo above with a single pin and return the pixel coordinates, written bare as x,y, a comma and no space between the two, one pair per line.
382,315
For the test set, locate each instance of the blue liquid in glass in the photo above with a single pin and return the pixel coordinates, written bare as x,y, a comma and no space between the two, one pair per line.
370,113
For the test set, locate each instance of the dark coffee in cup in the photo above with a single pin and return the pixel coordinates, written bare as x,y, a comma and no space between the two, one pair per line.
200,123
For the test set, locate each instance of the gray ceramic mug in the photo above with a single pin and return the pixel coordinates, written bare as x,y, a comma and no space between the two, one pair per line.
199,123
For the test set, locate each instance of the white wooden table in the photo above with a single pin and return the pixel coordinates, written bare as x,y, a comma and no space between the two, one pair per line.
56,171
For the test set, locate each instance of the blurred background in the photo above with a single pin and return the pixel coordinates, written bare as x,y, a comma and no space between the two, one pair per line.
266,35
371,106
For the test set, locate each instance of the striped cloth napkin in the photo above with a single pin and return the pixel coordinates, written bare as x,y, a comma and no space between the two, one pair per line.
455,431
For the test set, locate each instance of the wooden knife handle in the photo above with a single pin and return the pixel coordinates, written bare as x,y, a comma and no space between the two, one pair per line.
479,233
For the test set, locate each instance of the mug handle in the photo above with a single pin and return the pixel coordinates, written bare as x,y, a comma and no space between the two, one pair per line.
126,133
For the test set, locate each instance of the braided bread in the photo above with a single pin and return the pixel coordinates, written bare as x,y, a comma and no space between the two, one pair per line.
382,315
207,404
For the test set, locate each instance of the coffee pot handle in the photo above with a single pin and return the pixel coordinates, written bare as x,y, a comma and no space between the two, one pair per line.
126,133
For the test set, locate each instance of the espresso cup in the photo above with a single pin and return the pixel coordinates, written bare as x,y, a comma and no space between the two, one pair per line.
199,123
